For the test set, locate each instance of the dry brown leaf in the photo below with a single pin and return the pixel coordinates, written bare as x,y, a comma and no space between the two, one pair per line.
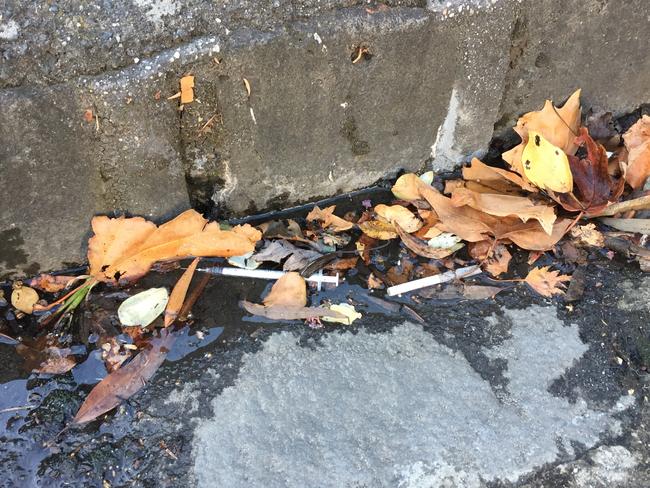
532,237
421,248
125,249
329,220
187,89
504,205
499,261
51,283
637,143
480,292
126,381
43,355
558,125
545,282
397,214
24,298
283,312
587,235
377,229
374,282
501,180
289,291
177,296
469,224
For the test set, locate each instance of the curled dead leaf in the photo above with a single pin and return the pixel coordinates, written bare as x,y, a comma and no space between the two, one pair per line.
329,220
637,142
398,214
377,229
177,296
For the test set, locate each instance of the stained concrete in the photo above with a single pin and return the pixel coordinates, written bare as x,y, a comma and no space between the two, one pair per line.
437,80
402,410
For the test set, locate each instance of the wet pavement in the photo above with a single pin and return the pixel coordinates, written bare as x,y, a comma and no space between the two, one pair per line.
513,391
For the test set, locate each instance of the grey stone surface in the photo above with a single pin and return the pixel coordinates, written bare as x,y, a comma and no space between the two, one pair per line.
438,78
401,410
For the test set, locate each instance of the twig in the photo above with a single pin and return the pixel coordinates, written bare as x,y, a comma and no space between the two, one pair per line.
15,409
641,203
194,296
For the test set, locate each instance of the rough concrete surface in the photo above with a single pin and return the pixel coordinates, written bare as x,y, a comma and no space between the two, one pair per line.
399,409
515,392
436,80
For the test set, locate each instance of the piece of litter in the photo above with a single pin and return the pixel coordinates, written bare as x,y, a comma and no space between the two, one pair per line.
143,308
346,309
187,89
433,280
248,86
253,116
267,274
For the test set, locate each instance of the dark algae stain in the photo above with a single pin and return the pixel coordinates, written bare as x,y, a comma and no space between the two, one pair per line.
11,248
350,131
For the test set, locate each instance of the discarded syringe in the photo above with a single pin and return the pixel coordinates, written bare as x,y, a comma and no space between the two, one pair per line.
266,274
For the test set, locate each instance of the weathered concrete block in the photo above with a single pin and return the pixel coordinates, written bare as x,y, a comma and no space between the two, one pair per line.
436,80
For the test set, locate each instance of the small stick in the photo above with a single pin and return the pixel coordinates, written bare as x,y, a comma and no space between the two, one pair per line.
15,409
433,280
641,203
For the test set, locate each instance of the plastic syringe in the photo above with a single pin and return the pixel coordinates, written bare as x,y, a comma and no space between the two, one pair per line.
267,274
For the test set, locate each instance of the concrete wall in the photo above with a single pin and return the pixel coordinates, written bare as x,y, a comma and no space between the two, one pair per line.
440,77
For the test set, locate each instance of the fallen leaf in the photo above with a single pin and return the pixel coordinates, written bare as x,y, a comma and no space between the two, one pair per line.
374,282
275,251
498,263
545,282
421,248
187,89
397,214
249,232
467,223
114,355
480,292
143,308
498,179
504,205
557,125
640,226
283,312
24,298
125,249
400,273
443,240
637,142
328,219
299,259
51,283
343,264
43,355
177,296
126,381
532,237
594,187
407,187
245,261
545,165
377,229
345,309
587,235
288,291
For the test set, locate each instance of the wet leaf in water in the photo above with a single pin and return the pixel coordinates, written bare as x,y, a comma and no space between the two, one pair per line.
126,381
284,312
125,249
143,308
177,296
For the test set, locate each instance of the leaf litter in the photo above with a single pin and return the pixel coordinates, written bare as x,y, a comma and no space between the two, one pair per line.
558,192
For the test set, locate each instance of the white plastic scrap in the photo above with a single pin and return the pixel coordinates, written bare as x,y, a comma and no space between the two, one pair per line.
444,241
144,307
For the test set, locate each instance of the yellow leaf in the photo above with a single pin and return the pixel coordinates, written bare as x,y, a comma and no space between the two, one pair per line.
545,282
397,214
378,230
558,125
546,165
347,310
